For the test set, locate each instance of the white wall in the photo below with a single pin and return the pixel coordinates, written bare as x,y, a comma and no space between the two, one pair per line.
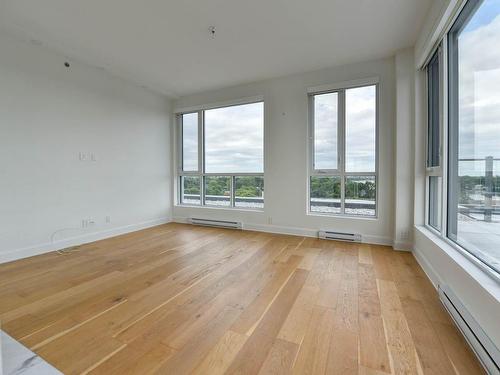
403,162
286,153
48,114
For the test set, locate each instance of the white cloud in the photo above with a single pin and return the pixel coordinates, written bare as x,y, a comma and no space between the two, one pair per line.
479,95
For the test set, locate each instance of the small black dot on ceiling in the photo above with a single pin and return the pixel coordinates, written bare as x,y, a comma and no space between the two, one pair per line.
66,64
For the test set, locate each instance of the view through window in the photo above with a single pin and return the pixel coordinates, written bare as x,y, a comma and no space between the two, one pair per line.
231,173
343,176
474,143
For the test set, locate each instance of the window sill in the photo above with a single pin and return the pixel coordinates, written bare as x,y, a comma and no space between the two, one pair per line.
474,268
232,209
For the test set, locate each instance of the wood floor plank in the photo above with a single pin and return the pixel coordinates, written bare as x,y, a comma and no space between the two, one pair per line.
432,356
313,354
343,351
372,341
253,354
399,339
179,299
280,359
365,254
222,354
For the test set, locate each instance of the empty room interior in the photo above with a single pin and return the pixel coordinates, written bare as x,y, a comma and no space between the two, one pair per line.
250,187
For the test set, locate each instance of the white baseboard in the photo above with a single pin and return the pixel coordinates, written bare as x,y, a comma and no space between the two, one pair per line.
402,246
294,231
77,240
431,273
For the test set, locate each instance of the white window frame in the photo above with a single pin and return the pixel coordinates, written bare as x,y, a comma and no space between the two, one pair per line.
443,170
180,173
340,172
437,171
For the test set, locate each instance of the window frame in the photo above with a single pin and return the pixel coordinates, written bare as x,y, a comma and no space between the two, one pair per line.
340,172
447,147
436,171
180,173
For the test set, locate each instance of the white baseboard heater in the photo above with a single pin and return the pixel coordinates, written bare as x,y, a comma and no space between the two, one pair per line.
339,236
486,351
216,223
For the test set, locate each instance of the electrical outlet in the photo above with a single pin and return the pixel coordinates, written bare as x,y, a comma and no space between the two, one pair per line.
108,219
269,220
87,223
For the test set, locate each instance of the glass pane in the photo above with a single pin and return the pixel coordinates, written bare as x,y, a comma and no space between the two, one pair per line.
435,202
249,192
360,139
190,142
360,195
234,139
433,111
190,190
325,131
475,173
218,191
325,195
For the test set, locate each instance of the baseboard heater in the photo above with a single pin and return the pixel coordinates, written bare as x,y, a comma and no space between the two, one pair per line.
216,223
486,351
339,236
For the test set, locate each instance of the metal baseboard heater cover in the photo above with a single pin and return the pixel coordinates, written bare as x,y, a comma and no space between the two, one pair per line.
486,351
216,223
339,236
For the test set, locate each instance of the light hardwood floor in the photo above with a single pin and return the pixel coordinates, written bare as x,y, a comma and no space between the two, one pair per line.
178,299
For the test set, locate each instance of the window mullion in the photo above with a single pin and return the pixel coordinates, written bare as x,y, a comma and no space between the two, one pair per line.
341,147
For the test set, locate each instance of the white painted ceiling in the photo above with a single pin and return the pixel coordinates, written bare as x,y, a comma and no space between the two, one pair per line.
166,44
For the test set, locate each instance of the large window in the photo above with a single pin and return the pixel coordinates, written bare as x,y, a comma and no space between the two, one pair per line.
221,161
343,177
473,219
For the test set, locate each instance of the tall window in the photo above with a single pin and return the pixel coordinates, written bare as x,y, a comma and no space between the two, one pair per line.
221,161
474,131
434,171
343,176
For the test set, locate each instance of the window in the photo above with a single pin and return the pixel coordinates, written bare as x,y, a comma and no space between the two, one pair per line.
343,174
221,161
325,131
434,170
190,142
473,218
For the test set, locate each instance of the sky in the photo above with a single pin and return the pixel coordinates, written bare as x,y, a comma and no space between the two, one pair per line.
479,89
234,139
360,130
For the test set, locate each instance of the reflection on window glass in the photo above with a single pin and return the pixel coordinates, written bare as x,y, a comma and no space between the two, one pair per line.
360,138
249,192
190,190
218,190
433,111
325,195
234,139
360,195
435,202
190,142
325,131
474,208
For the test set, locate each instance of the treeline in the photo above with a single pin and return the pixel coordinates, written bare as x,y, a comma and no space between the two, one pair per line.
246,186
329,187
